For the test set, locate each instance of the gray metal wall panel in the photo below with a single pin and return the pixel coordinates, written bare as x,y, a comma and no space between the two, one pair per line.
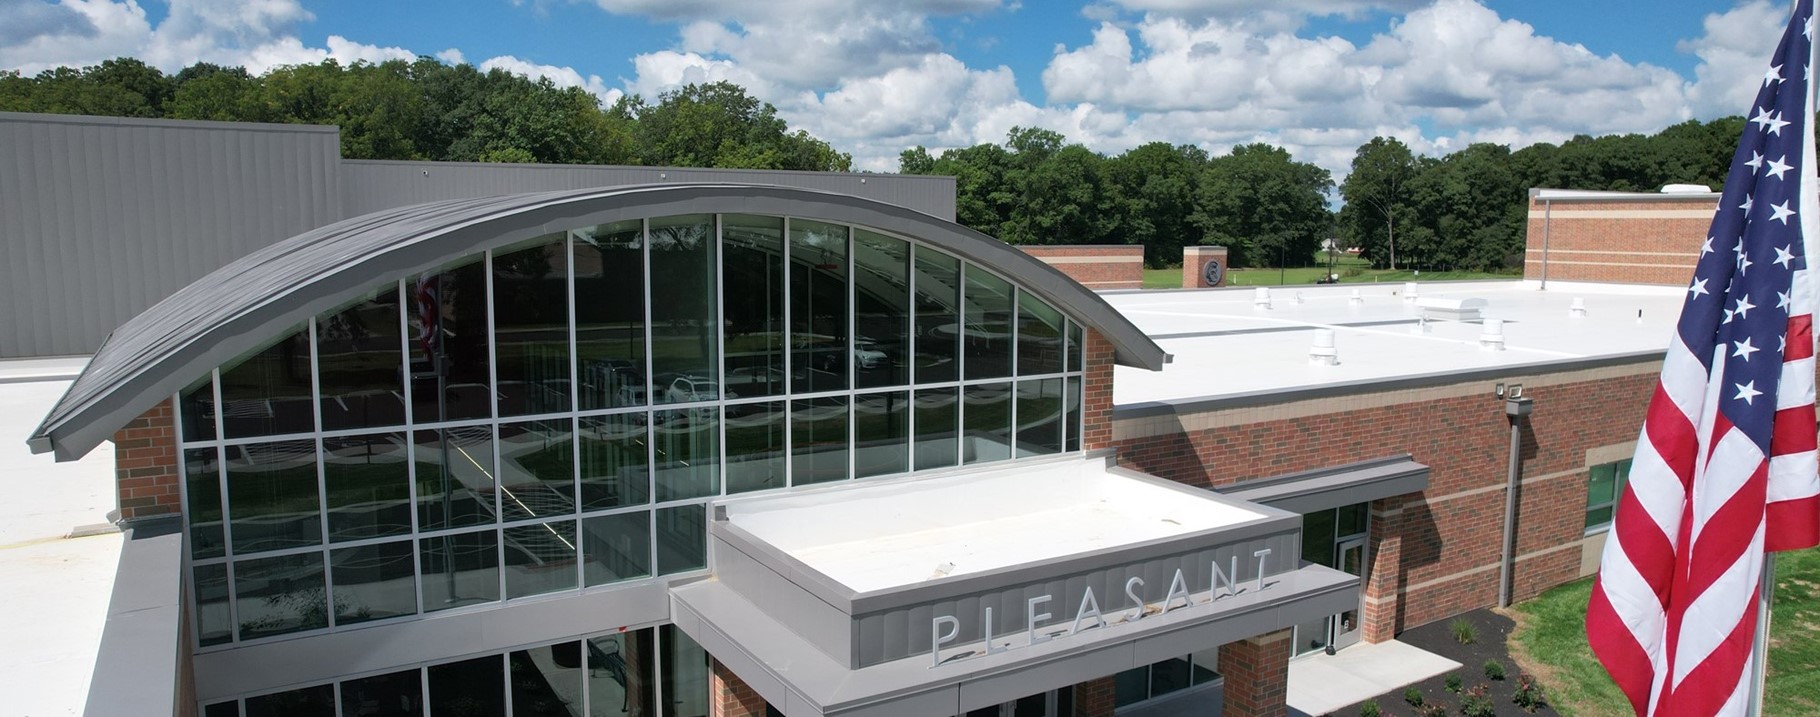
370,186
102,217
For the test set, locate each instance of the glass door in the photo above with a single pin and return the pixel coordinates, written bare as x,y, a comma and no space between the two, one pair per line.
1351,554
1043,704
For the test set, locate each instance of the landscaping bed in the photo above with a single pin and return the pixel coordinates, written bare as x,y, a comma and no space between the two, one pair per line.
1486,634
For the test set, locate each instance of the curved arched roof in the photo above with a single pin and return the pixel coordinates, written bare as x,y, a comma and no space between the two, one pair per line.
266,293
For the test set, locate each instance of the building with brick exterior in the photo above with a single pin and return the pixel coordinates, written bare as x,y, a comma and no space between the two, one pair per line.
733,448
1615,237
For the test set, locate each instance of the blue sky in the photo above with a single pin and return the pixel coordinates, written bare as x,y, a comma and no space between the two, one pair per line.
1319,77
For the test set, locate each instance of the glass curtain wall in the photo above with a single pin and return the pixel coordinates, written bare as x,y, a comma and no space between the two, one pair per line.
554,414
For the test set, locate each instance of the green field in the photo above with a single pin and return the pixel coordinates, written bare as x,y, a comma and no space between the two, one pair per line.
1352,270
1550,640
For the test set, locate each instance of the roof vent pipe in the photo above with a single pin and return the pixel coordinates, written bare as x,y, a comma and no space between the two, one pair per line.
1492,338
1260,297
1409,291
1356,298
1298,297
1578,309
1323,352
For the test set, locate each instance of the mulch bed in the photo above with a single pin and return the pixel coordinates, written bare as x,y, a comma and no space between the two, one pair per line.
1491,631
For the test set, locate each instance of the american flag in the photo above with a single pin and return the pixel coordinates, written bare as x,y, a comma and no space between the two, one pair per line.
1725,467
429,315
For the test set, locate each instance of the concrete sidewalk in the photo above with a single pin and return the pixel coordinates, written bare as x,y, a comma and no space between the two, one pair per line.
1320,684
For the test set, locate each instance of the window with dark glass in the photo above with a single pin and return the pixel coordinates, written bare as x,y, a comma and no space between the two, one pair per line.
202,478
986,408
616,547
755,446
536,469
460,569
360,363
938,317
683,316
279,595
1076,360
450,378
938,418
881,433
1071,427
818,437
199,410
681,539
1039,417
818,306
540,558
622,674
229,708
753,274
531,326
685,674
373,582
213,626
687,448
1039,336
881,310
394,694
1604,486
272,498
988,331
318,701
455,485
368,485
546,681
470,688
615,467
610,315
267,392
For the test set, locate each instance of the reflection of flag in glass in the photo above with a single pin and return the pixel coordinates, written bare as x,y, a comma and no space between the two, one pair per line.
429,313
1725,467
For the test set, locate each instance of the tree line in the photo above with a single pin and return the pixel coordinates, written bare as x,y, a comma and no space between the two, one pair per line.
429,110
1464,210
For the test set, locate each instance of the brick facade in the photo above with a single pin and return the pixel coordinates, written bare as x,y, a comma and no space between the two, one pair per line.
1434,554
1630,242
145,465
1095,698
1195,258
1095,266
1096,385
729,696
1257,675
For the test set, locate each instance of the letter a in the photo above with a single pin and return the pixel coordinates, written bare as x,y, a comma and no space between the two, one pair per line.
1090,605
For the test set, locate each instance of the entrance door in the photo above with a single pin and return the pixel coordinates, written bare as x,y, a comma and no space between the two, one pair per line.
1351,554
1037,705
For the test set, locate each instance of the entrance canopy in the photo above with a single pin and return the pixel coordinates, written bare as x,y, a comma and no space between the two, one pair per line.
933,595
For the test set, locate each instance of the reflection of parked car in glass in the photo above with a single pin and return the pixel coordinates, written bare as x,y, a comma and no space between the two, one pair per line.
766,378
867,354
690,389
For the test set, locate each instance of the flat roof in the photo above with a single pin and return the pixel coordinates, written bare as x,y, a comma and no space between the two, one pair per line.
1225,347
887,535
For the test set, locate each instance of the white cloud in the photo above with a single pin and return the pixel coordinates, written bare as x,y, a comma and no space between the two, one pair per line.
78,33
559,76
1737,45
451,56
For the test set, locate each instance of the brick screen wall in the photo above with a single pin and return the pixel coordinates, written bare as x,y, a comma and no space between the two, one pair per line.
729,696
1652,242
1434,554
145,465
1257,675
1096,266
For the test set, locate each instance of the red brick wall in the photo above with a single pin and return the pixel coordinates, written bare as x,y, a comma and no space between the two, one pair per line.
1194,258
1095,698
1654,242
729,696
1437,552
1096,266
1096,383
1257,675
145,465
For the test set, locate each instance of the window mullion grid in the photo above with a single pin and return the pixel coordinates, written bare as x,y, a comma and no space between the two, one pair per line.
492,338
1015,333
789,382
322,493
650,424
410,443
227,519
852,358
911,371
189,538
720,353
574,421
505,663
960,362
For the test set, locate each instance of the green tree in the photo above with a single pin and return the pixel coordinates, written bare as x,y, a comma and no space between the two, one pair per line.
1155,187
1264,206
720,125
212,92
1375,193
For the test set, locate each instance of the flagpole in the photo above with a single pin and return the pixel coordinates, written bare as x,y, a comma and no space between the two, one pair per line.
1760,646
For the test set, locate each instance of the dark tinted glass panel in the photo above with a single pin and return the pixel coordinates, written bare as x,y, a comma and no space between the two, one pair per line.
373,582
454,477
881,433
202,481
470,688
1131,686
459,569
688,453
536,469
1072,429
1039,417
938,319
610,314
546,681
683,333
755,446
818,305
540,558
397,694
685,674
1074,347
938,416
818,438
615,467
881,310
222,709
274,596
1317,537
1039,336
1206,665
621,676
986,408
1602,483
272,498
531,327
1352,519
267,392
1598,516
199,411
360,364
448,319
318,701
616,547
1169,675
369,486
681,539
213,626
988,325
754,277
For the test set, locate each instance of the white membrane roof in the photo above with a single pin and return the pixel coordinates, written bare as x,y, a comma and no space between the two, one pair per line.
1225,346
905,532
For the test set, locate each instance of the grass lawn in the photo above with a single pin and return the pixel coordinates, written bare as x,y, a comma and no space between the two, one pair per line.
1352,270
1550,640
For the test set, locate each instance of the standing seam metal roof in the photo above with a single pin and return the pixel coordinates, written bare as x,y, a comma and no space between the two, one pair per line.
262,295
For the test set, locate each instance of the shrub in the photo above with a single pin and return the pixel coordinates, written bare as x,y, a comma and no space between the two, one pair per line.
1494,670
1413,696
1529,694
1369,709
1463,631
1431,710
1475,703
1453,683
